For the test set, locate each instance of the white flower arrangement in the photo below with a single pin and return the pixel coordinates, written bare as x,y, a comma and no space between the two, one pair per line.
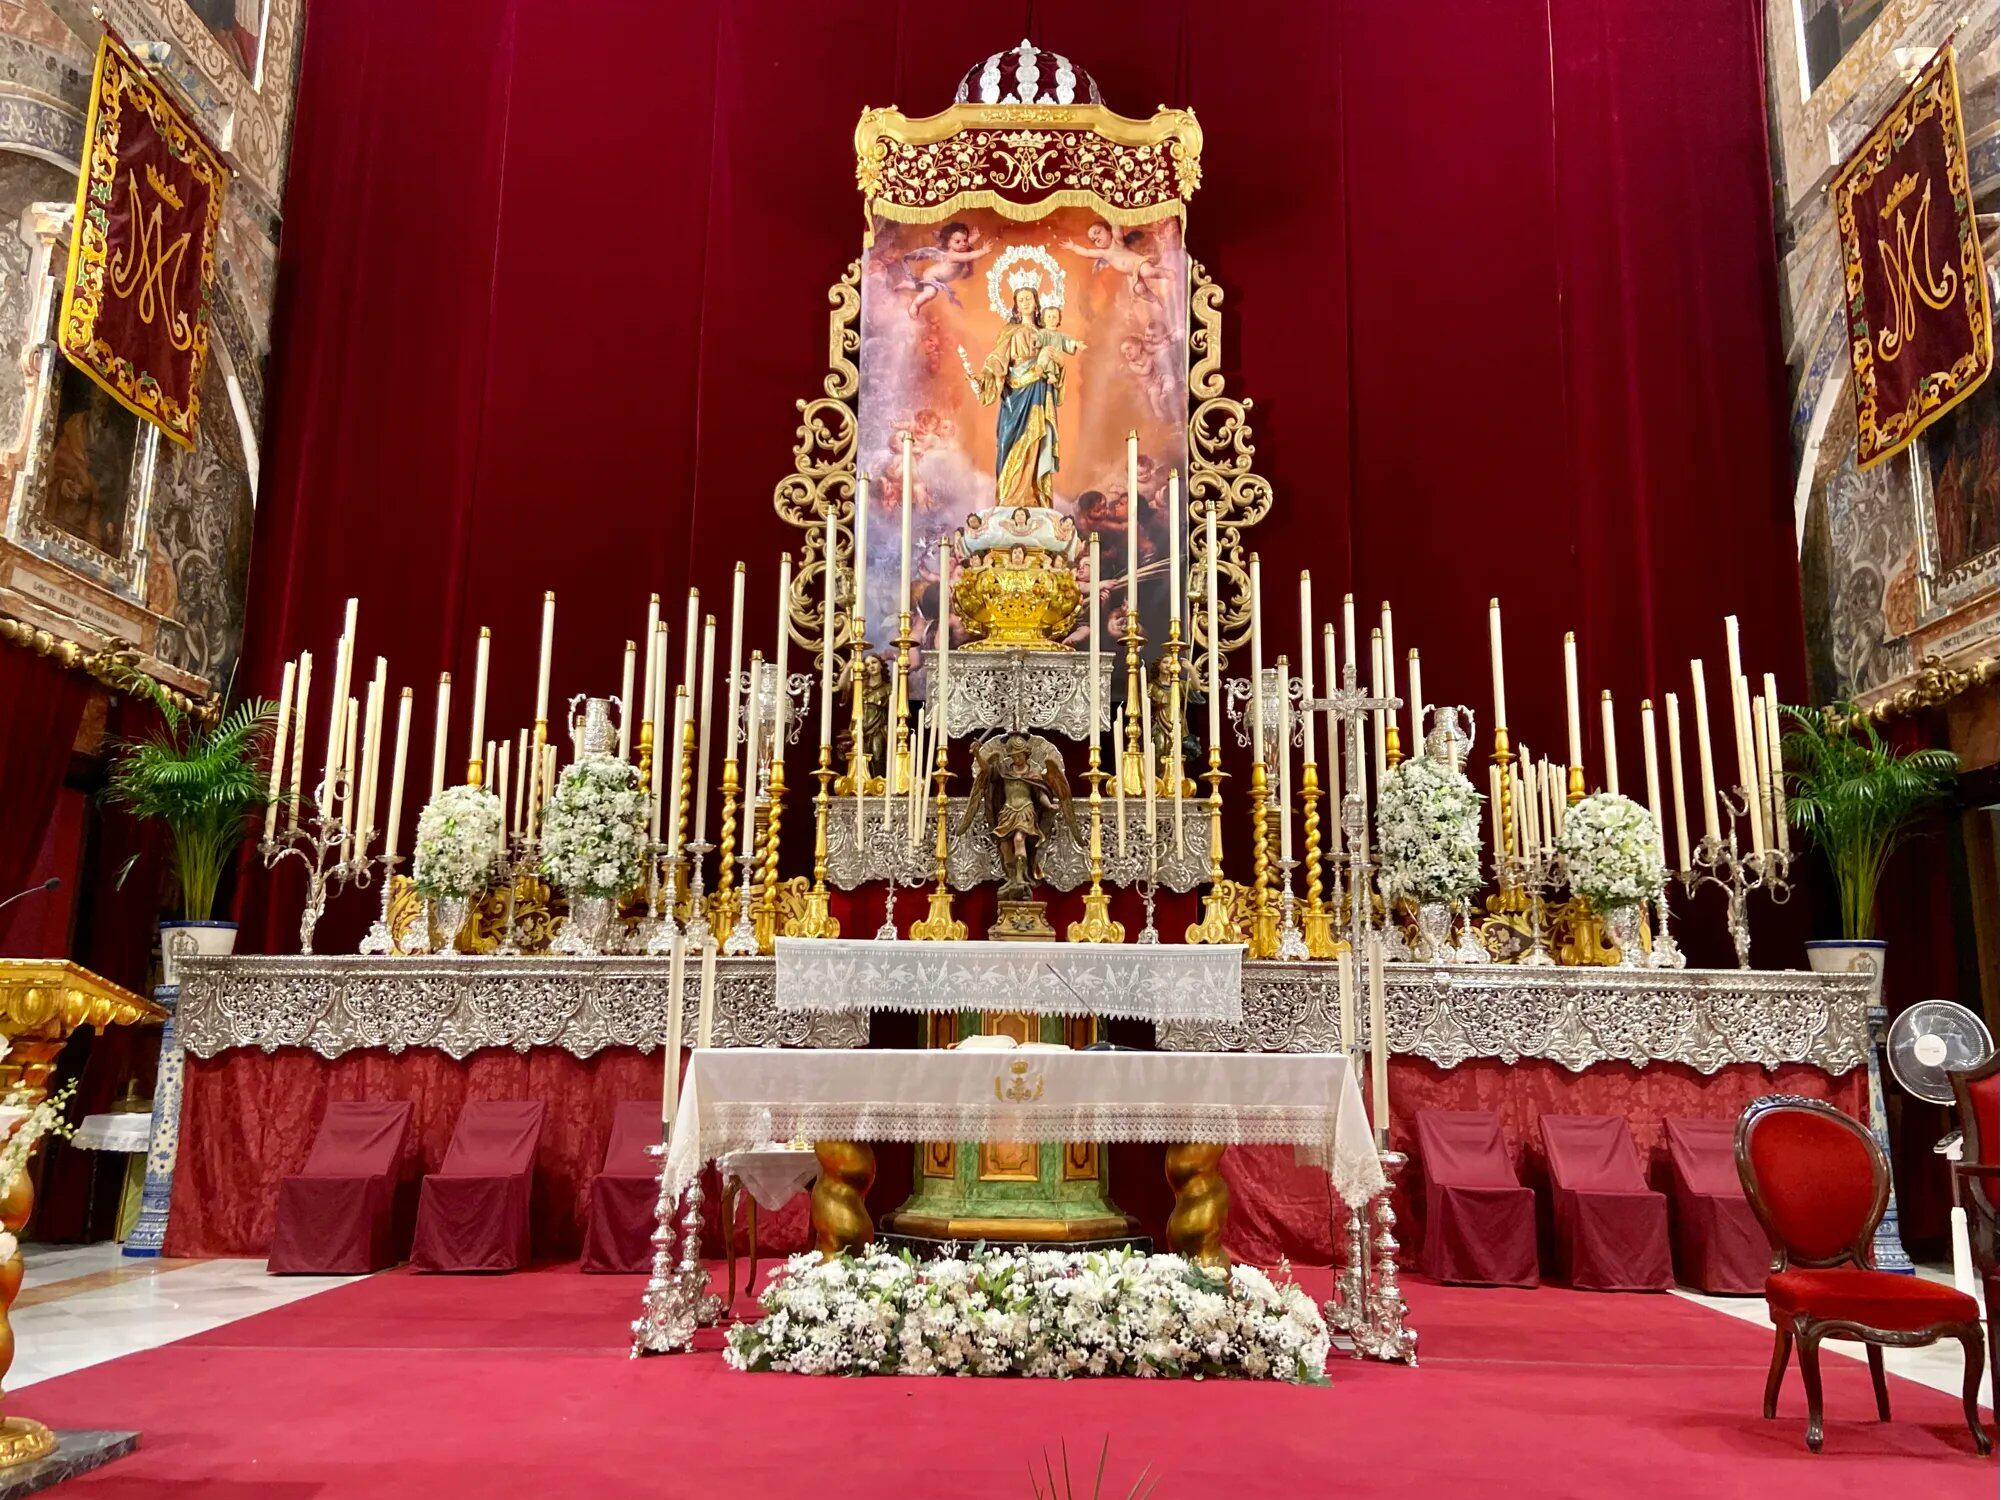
1428,832
458,842
594,829
1047,1313
1611,851
45,1118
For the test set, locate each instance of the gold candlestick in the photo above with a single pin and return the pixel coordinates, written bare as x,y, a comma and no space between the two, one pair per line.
723,903
938,925
1096,925
645,761
1317,925
684,809
475,771
1215,926
1263,920
1510,899
818,920
1175,781
1134,777
900,782
1575,784
1392,741
765,920
857,774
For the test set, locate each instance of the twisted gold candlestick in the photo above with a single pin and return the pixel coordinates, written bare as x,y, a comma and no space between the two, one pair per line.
1215,926
684,812
1316,924
818,920
1264,920
1509,899
722,905
1096,925
938,925
766,919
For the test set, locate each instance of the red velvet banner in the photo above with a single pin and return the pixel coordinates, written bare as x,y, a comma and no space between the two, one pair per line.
142,255
1920,331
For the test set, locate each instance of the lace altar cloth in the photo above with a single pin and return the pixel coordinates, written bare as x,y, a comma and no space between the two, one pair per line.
738,1098
1124,981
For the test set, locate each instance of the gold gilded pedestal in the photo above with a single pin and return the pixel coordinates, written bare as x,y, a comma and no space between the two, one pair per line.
43,1000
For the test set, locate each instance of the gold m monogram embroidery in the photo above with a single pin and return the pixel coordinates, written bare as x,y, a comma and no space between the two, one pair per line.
152,264
1018,1085
1909,273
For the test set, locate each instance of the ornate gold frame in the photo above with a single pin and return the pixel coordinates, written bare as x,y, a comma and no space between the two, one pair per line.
1220,457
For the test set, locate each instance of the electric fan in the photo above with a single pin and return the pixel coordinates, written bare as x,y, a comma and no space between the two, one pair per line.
1928,1043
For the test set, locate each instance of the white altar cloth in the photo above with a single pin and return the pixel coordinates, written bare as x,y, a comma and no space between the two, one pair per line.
1167,982
736,1098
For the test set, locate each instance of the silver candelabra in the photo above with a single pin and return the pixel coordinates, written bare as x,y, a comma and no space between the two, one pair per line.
314,841
1719,862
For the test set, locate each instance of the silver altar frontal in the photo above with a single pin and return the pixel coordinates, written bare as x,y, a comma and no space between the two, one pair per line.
1707,1019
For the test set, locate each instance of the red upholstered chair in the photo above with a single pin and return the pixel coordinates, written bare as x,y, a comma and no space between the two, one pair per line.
1719,1245
473,1213
1818,1182
1611,1228
1479,1221
1977,1092
337,1216
618,1235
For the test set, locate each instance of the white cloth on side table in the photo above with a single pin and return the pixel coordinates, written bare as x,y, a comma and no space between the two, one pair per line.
733,1099
1122,981
126,1132
772,1174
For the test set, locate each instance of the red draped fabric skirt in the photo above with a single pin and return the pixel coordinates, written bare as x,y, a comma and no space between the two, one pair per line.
247,1121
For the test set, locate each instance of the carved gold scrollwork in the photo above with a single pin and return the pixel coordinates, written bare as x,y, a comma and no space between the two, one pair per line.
822,481
1220,455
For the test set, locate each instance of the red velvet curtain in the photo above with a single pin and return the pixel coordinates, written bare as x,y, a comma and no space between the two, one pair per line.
43,708
1500,279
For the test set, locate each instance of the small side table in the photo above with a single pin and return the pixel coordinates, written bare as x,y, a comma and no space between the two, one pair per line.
770,1176
127,1132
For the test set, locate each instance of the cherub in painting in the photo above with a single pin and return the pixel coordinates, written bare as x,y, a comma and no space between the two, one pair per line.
1131,256
932,269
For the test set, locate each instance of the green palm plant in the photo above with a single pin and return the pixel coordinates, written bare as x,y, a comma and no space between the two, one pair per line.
203,778
1856,798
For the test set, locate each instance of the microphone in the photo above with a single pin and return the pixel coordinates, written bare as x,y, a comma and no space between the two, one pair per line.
54,882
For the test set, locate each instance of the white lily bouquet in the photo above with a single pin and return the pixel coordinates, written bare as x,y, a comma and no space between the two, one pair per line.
1047,1313
458,843
1611,852
1428,833
594,828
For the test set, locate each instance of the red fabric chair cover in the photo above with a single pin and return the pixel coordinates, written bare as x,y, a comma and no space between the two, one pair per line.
337,1216
1719,1245
1611,1228
619,1233
1479,1221
473,1213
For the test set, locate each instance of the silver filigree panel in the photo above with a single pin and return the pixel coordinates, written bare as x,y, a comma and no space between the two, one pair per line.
1021,689
1706,1018
333,1005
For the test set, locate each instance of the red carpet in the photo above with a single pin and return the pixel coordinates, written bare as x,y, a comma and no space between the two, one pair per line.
432,1387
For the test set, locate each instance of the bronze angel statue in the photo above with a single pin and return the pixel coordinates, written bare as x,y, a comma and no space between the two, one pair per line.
1020,788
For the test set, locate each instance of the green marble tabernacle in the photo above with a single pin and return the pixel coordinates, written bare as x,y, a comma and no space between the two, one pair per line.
1048,1193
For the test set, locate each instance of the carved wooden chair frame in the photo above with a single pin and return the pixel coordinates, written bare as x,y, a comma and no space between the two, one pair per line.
1808,1331
1975,1193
